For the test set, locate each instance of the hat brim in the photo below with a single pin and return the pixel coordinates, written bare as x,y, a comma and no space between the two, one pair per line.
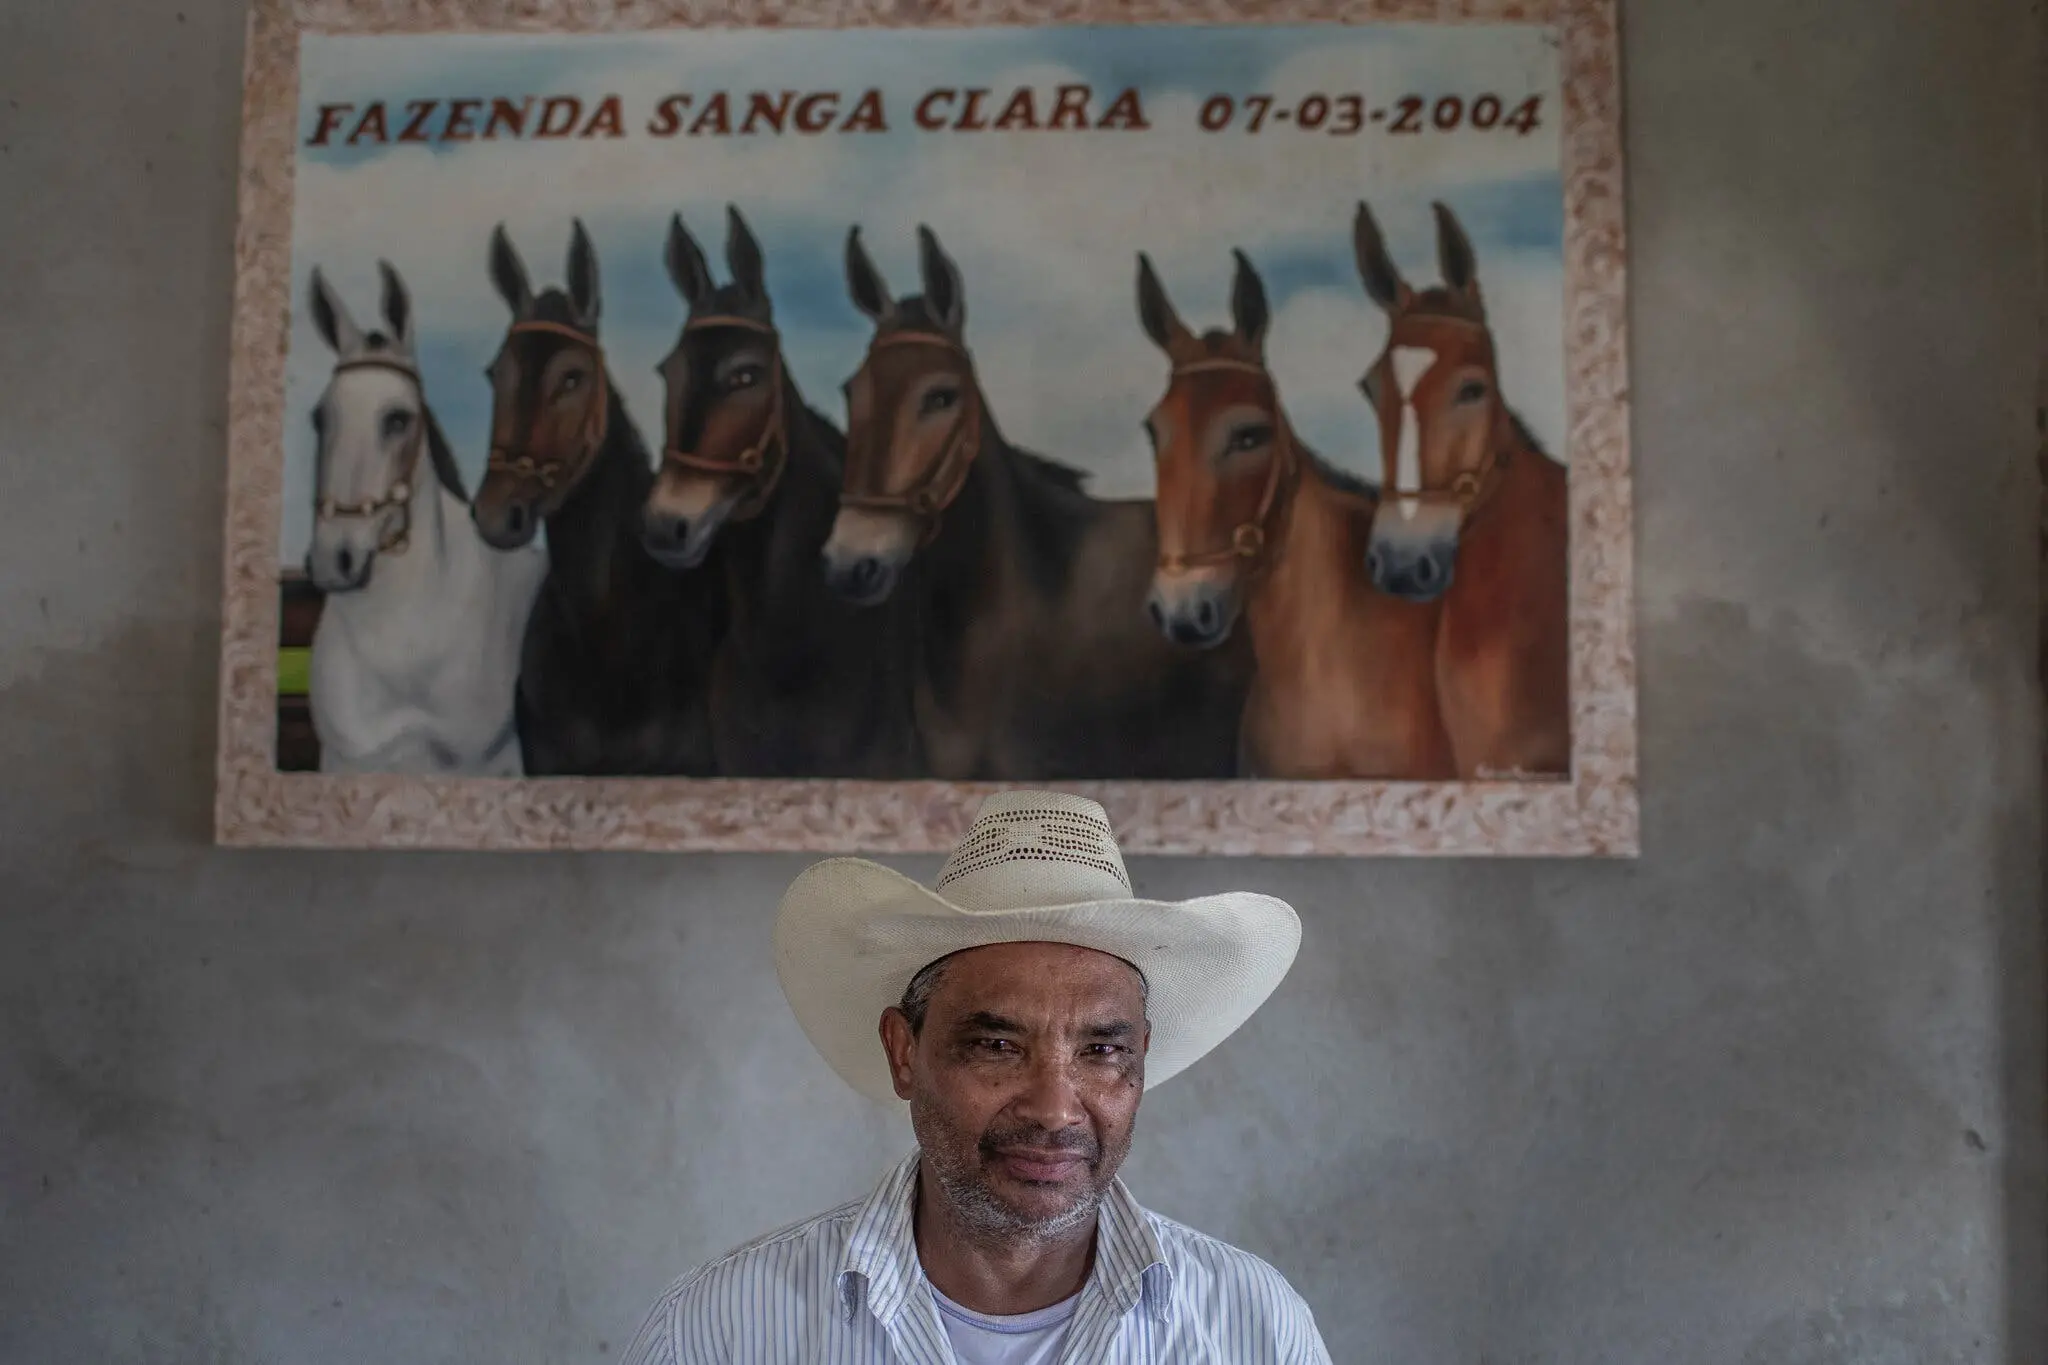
850,934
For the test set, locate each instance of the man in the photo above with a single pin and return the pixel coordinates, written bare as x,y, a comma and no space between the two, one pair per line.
1025,1004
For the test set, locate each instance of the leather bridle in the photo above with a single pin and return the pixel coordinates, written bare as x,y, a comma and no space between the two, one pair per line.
398,536
1250,539
563,473
930,496
764,460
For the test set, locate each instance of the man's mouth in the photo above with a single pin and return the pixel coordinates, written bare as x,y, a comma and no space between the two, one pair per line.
1039,1165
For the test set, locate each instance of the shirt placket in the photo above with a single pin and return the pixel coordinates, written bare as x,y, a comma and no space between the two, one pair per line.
916,1336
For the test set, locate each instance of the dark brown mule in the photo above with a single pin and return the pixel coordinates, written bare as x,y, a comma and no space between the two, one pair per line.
1472,515
1035,659
805,684
618,650
1252,523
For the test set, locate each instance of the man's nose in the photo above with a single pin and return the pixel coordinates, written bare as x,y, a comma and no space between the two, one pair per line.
1051,1098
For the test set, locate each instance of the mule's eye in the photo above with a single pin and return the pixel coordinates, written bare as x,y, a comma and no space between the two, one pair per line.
1471,391
396,424
938,400
1249,438
744,377
572,381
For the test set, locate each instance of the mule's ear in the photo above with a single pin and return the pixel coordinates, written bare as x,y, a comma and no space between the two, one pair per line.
1383,282
1248,308
330,317
583,284
864,282
508,273
743,256
1454,254
1155,310
397,305
944,291
686,264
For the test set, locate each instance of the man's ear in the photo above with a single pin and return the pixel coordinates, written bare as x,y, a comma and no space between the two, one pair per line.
1145,1048
898,1043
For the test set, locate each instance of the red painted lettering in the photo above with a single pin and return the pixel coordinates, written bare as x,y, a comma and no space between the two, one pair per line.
371,125
761,109
1072,104
971,120
329,124
716,118
1124,112
1020,112
460,112
866,116
668,116
571,110
928,120
814,113
506,114
608,121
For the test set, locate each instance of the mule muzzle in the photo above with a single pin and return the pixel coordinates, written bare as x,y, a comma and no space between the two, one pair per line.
1196,613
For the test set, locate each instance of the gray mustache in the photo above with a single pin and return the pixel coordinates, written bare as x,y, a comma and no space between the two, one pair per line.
1075,1140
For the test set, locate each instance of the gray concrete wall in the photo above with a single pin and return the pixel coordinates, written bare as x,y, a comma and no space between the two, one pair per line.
1771,1094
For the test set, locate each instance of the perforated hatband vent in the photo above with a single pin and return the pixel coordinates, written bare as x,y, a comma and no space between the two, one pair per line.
1036,835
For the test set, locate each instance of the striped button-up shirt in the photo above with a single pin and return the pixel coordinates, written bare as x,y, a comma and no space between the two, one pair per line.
846,1288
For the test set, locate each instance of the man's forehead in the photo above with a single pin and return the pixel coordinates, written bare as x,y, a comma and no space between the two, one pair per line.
1027,972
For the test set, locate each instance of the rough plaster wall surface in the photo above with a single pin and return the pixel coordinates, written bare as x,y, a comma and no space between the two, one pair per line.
1770,1095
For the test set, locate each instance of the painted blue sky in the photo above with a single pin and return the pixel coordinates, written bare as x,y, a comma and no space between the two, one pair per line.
1045,226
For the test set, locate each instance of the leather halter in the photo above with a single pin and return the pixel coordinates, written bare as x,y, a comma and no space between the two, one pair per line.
932,495
563,473
1250,540
398,536
1469,489
764,460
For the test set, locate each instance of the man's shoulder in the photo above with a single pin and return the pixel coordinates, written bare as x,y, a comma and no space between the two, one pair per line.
1209,1266
791,1260
792,1247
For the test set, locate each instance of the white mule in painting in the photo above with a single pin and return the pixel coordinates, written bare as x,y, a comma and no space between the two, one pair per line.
417,651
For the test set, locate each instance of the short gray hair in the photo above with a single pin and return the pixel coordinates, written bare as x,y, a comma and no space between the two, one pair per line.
917,996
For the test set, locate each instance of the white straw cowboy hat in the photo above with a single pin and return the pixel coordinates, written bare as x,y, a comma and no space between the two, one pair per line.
1034,867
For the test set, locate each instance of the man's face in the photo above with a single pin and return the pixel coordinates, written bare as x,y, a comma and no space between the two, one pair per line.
1024,1082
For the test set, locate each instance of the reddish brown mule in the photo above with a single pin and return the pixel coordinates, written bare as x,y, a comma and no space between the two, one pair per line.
1034,658
1472,515
1252,523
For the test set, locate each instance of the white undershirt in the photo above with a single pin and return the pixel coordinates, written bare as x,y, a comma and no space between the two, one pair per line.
1026,1339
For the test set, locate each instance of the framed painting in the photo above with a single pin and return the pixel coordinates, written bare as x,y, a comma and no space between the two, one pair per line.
723,425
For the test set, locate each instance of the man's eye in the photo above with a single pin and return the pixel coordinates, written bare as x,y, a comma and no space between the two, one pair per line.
996,1045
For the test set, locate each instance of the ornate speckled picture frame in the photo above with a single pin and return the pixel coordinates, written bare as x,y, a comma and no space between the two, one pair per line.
729,426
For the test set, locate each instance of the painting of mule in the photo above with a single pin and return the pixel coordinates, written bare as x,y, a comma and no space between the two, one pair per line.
1035,659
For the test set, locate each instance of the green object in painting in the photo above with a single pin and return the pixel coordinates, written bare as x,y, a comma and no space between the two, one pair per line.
294,672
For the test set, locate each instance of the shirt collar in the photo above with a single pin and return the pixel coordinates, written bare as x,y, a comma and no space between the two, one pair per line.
881,1251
